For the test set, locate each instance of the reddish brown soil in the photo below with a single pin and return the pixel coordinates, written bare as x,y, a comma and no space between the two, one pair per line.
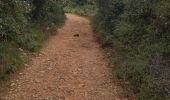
68,68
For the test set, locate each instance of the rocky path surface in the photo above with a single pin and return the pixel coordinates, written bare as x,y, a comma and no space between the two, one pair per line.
67,68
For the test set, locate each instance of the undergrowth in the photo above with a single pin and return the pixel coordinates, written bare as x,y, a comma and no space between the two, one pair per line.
14,55
24,26
12,59
138,32
82,10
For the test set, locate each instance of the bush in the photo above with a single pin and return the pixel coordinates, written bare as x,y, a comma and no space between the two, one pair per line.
11,59
48,13
107,17
80,7
12,18
24,26
72,3
139,32
84,10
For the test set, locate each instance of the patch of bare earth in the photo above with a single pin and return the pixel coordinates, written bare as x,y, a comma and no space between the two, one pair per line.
68,68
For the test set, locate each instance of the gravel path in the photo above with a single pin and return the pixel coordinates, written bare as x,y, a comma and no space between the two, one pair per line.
67,68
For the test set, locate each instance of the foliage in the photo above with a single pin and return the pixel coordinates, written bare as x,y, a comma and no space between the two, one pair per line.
72,3
84,10
108,15
11,59
139,31
12,18
80,7
48,12
24,26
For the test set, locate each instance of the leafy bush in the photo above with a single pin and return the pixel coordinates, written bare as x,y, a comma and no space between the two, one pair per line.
72,3
80,7
139,32
34,40
48,13
83,10
24,26
11,58
107,17
12,18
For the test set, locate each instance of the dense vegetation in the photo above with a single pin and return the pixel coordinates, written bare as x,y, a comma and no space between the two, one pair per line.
80,7
24,25
139,31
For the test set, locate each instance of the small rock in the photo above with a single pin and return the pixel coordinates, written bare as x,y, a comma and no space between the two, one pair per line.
20,73
26,65
42,71
37,81
20,49
81,85
49,68
13,84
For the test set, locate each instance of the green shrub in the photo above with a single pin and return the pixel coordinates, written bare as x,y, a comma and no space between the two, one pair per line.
80,7
11,59
83,10
24,26
139,32
48,13
153,90
107,17
12,18
73,3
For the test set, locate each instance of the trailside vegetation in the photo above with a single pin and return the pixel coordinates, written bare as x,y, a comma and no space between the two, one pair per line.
139,32
80,7
24,26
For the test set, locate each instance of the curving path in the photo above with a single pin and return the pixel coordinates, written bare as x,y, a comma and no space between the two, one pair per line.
67,68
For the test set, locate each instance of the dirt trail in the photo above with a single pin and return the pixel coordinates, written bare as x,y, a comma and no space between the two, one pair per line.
68,68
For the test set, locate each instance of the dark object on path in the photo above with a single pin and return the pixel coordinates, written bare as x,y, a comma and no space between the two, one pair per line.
76,35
